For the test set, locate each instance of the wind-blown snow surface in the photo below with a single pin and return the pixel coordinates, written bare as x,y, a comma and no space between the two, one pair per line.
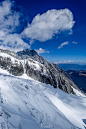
29,104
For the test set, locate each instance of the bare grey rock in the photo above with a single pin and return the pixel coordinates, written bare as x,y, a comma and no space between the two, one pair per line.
15,68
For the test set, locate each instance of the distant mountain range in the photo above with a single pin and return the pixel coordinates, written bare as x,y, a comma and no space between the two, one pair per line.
77,73
79,78
72,67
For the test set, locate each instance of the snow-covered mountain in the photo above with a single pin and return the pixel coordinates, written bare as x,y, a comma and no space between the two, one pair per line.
37,68
28,99
49,73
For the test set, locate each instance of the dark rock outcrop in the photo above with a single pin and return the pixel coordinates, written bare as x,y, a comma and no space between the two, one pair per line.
11,53
26,53
13,67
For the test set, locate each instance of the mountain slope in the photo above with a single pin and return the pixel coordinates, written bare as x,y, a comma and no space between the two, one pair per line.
27,103
28,98
46,72
56,76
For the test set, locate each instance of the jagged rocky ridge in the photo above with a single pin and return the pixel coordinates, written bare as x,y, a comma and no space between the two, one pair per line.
38,68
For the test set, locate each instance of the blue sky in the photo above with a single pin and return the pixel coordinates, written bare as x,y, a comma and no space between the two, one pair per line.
56,29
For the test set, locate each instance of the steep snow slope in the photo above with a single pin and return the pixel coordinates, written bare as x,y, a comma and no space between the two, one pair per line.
28,104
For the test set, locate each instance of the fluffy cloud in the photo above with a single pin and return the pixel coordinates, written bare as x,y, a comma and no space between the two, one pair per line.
40,51
74,42
63,44
9,20
45,26
42,28
69,62
63,62
14,42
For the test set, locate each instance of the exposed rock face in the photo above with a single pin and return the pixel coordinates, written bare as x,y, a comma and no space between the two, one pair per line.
61,70
13,67
35,74
11,53
40,73
26,53
38,68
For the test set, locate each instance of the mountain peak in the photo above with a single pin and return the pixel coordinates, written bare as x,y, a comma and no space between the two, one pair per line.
28,52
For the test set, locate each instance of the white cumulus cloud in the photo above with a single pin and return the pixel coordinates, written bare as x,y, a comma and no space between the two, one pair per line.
74,42
45,26
63,44
69,62
9,20
14,42
63,62
40,51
